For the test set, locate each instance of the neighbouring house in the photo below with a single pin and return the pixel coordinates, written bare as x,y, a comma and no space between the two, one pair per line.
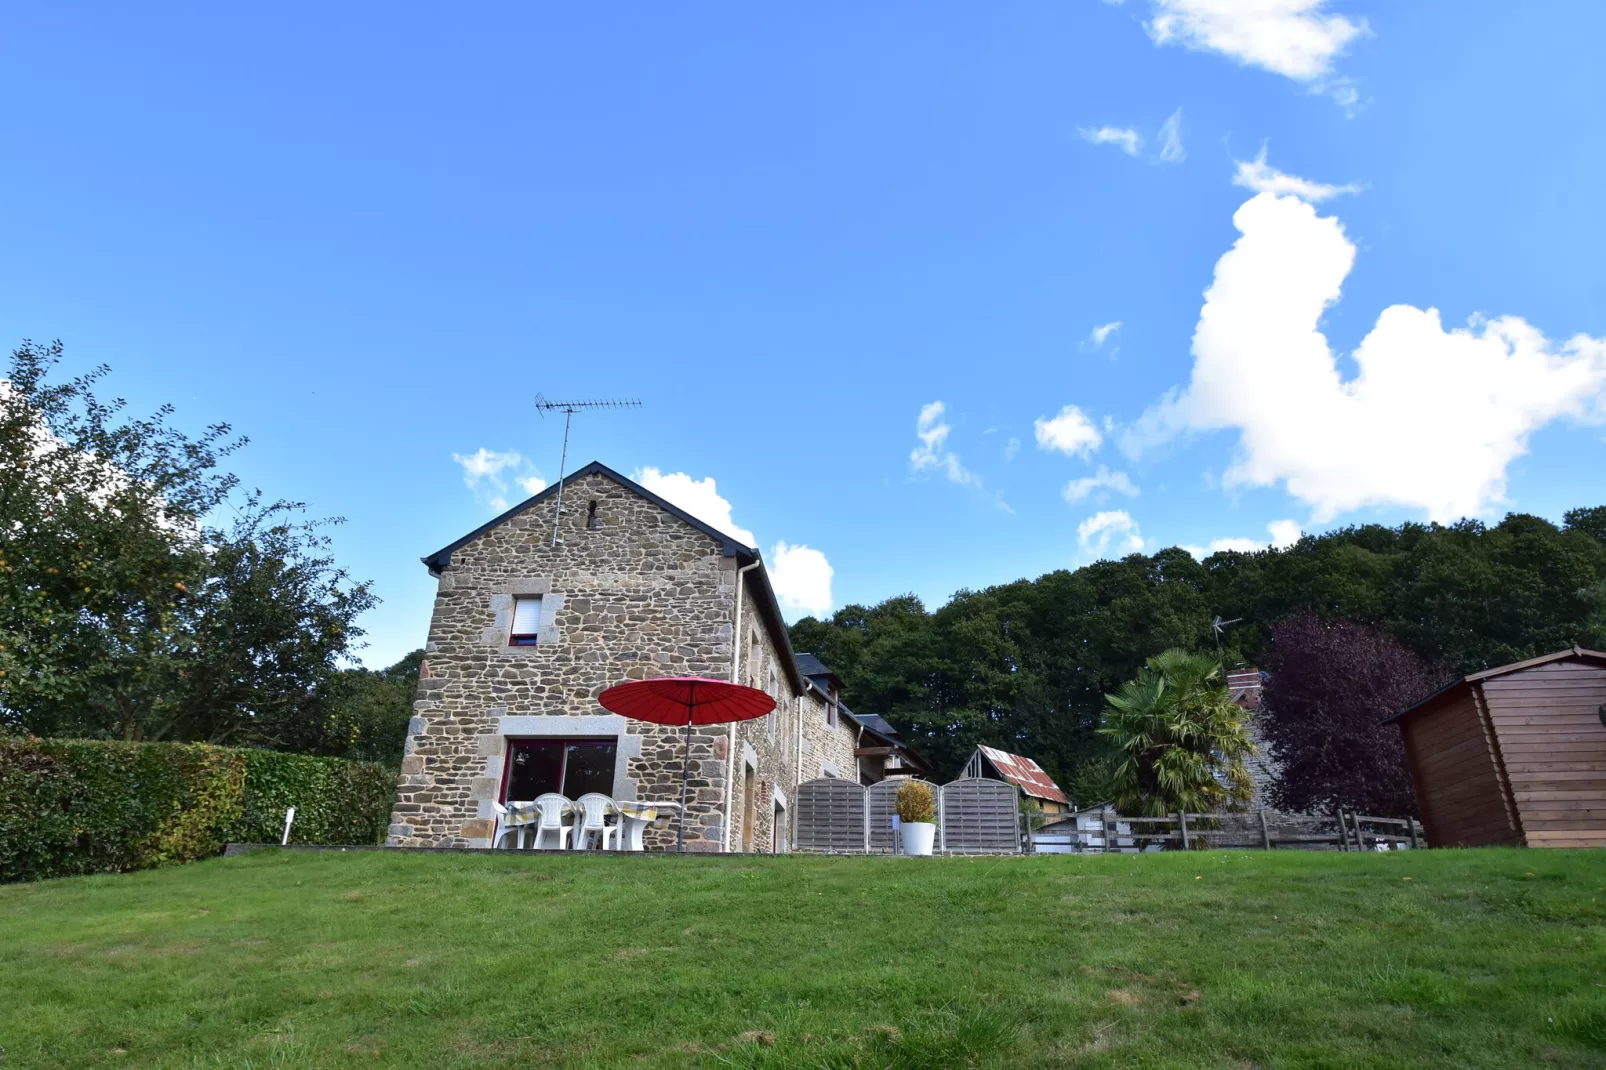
1515,755
1083,830
879,750
994,764
530,625
1245,686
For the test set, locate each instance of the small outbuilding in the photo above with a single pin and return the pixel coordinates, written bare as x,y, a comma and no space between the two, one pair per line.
1515,755
990,763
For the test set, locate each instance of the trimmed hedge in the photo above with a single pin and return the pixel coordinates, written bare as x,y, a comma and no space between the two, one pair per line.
73,806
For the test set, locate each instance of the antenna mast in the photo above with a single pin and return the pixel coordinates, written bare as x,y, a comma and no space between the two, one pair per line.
569,408
1218,626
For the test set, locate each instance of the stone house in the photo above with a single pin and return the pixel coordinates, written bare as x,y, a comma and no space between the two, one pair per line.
531,624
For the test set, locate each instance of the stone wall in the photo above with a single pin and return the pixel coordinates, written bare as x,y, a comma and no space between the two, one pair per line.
631,591
637,592
824,744
764,747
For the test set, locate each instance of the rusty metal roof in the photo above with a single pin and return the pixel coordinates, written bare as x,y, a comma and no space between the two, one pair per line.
1025,774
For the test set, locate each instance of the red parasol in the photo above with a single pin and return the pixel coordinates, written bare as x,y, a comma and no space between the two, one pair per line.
686,700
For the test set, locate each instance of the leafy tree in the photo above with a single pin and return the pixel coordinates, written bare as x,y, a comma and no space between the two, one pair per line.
124,611
371,709
1332,682
1025,665
1180,739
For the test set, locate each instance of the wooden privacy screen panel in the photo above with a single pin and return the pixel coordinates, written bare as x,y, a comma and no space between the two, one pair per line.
978,816
830,816
883,807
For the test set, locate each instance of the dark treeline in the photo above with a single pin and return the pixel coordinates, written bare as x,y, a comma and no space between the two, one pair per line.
1026,665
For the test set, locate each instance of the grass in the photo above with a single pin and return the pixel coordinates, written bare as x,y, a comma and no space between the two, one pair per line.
1489,958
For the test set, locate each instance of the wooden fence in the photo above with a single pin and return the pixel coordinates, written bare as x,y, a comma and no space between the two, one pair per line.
979,816
1344,830
974,816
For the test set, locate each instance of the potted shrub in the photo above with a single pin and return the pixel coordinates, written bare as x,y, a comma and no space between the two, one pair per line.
917,812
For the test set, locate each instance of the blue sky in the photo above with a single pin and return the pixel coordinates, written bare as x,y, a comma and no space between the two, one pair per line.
368,236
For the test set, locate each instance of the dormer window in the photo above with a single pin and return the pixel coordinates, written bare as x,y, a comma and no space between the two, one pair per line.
526,621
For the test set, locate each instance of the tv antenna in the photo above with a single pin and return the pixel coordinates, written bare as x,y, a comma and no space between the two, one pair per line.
569,408
1218,626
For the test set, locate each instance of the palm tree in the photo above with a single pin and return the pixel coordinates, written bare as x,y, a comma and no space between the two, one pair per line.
1179,737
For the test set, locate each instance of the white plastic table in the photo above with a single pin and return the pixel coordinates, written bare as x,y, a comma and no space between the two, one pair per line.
634,817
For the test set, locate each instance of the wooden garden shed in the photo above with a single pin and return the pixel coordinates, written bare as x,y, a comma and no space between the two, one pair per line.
1515,755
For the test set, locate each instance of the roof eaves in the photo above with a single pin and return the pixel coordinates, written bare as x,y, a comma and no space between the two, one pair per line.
1570,652
769,610
1574,651
442,558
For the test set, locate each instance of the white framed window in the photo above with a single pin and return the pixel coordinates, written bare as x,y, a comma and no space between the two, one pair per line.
526,628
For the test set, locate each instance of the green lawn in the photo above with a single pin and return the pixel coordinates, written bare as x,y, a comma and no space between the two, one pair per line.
1492,958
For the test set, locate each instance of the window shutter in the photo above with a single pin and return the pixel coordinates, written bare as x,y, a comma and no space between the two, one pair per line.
526,616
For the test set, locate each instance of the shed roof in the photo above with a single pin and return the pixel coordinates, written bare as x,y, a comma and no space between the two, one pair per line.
1517,666
1025,774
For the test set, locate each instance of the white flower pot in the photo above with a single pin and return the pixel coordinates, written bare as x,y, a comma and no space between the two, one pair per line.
918,837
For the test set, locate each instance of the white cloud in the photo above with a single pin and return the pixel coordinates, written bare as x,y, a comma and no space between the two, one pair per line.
1430,422
491,475
1101,334
932,451
1284,533
1112,531
1261,177
699,497
1102,481
1128,140
485,463
1011,448
801,577
1170,136
1294,38
1071,432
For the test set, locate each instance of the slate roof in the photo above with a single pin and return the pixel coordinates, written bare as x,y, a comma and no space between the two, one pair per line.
810,665
1025,774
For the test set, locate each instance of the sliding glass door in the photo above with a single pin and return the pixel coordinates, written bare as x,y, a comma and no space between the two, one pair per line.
568,767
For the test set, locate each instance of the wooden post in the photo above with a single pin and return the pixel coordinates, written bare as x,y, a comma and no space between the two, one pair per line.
1109,832
1182,822
1410,823
1265,832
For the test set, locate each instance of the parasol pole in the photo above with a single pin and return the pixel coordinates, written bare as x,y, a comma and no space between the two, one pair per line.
685,762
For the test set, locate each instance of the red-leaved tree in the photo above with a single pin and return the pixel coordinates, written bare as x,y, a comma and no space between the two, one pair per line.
1331,682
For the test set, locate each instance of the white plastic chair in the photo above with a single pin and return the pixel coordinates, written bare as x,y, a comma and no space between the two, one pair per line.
503,831
554,808
594,810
